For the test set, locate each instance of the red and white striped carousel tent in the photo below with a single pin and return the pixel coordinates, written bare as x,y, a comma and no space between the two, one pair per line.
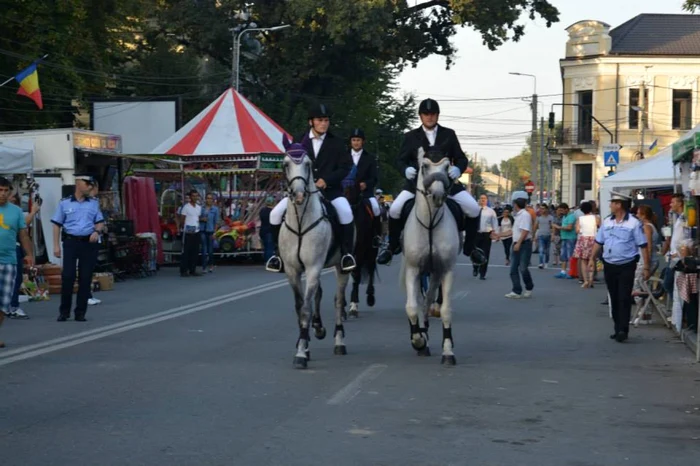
231,125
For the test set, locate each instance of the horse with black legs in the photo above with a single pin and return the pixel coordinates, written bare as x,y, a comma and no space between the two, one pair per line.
366,248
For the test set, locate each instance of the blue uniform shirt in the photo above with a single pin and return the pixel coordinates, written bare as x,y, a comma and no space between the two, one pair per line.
621,240
78,218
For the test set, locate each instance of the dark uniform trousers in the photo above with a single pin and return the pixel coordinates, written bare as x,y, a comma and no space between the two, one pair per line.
619,279
78,253
483,242
190,253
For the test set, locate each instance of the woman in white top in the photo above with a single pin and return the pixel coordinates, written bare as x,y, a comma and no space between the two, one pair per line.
586,229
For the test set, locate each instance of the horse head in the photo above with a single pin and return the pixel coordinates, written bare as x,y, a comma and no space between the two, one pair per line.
297,171
433,180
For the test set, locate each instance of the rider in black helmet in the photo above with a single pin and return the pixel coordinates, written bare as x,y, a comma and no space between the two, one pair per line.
331,164
366,176
435,138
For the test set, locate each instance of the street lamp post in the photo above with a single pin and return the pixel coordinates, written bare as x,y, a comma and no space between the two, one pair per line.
533,137
236,62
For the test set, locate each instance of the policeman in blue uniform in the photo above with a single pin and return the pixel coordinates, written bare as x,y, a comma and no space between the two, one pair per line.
621,237
78,223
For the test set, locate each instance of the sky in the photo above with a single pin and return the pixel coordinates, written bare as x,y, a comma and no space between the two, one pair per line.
496,130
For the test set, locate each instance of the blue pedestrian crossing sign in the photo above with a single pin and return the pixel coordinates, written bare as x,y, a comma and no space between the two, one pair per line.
611,155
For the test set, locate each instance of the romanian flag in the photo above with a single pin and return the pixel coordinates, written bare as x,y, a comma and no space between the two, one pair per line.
654,147
28,80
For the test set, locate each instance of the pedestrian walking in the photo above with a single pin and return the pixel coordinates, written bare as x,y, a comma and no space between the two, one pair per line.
586,229
620,237
190,217
208,225
488,232
522,248
77,223
567,232
12,226
506,231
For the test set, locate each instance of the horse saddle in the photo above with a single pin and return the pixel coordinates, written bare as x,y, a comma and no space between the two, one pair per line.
452,205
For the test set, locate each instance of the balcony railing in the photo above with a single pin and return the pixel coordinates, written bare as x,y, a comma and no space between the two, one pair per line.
574,137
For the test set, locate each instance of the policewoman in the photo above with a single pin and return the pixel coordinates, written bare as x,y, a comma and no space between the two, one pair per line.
78,224
621,237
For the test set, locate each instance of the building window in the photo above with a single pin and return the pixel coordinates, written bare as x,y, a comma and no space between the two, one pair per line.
634,114
682,109
583,182
585,117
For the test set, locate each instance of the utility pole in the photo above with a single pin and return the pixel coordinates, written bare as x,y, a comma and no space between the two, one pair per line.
533,142
541,180
641,116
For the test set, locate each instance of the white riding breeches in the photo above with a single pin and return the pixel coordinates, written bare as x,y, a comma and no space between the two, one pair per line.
342,206
375,206
397,205
465,200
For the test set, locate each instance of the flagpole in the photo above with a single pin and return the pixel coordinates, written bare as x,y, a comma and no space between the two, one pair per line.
12,78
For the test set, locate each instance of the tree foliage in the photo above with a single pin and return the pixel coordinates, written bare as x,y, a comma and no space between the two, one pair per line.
347,54
691,5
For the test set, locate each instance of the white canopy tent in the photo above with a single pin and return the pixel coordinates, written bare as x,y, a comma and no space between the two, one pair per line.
653,172
16,156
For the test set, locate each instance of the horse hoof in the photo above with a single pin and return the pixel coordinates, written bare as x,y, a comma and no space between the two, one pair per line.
340,350
370,300
354,313
425,352
420,344
300,363
320,333
308,355
448,360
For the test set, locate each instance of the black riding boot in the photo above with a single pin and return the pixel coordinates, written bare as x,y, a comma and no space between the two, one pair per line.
347,243
274,263
471,230
385,255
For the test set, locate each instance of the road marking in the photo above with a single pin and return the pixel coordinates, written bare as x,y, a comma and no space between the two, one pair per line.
68,341
490,265
351,390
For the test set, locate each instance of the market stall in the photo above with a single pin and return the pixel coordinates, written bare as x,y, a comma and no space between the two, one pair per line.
686,158
232,150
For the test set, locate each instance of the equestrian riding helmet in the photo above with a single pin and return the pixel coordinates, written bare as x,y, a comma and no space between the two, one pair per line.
319,111
357,133
428,106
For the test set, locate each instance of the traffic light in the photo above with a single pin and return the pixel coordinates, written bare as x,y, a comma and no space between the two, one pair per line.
551,120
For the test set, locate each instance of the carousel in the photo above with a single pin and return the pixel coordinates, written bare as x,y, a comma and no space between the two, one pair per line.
231,150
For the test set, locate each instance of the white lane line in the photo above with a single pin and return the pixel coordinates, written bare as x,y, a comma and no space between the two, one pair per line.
490,265
351,390
50,346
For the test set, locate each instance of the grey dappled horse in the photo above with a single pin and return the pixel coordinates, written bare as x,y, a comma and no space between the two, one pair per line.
305,243
431,244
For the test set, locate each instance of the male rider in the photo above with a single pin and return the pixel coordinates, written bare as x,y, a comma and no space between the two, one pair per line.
331,164
430,134
366,176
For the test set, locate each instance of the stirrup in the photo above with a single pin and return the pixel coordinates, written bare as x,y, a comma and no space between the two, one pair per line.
274,264
348,268
478,257
383,252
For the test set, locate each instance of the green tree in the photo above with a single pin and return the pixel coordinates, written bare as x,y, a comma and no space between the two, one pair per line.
494,169
691,5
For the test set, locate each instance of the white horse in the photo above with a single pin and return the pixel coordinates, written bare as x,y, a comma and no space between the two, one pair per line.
431,244
306,244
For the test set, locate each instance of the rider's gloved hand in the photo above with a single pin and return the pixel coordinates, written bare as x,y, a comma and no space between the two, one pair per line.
411,173
454,172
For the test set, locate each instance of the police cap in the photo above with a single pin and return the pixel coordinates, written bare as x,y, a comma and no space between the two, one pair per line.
428,106
86,177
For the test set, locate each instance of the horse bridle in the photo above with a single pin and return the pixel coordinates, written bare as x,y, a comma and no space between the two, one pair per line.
434,221
324,216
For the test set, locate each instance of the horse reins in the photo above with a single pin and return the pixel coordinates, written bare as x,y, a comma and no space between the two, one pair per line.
434,221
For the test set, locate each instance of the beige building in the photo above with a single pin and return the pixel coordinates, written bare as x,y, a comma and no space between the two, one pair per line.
496,186
604,74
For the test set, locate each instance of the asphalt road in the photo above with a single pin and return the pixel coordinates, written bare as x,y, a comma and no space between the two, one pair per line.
171,371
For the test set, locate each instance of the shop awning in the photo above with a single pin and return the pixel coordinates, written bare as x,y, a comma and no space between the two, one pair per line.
16,156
